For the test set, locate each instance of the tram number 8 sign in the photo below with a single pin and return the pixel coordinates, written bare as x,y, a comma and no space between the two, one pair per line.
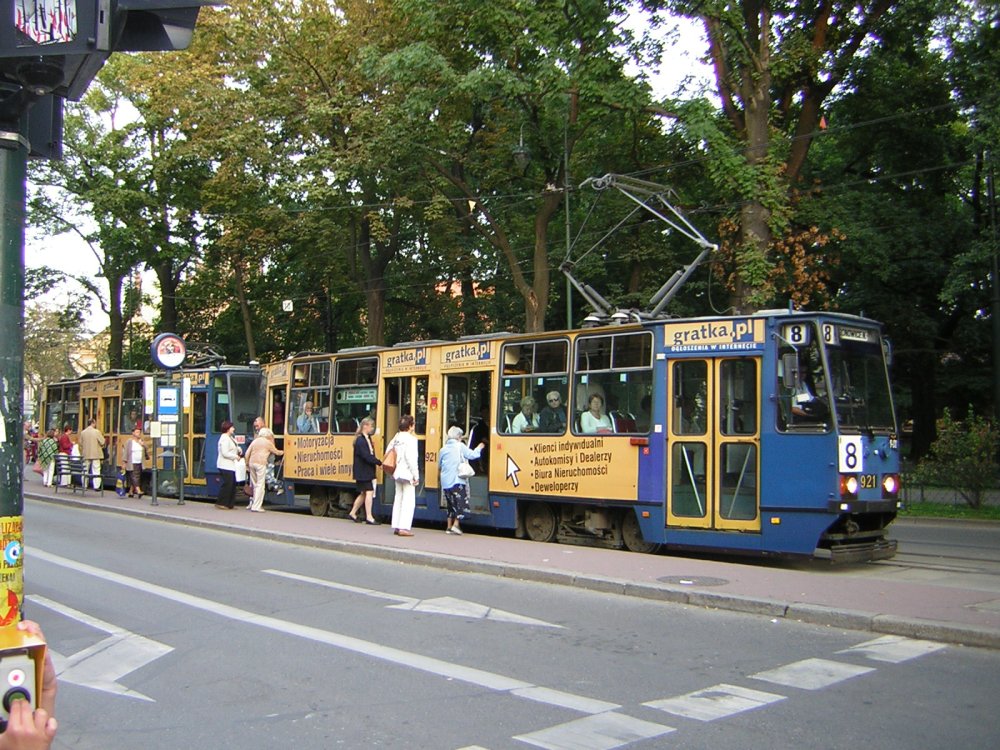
851,459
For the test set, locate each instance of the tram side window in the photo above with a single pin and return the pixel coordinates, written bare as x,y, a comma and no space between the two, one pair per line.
53,409
131,406
355,393
71,414
533,371
614,383
803,401
310,398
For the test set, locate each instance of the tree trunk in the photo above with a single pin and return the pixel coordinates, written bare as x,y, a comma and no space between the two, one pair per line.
116,326
239,279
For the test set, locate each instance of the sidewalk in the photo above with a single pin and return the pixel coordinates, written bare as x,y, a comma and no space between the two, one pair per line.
963,609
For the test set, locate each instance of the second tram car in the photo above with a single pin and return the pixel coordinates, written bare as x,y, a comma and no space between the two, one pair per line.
121,399
769,434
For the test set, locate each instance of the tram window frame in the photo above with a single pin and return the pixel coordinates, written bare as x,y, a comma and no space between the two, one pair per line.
53,408
132,399
804,355
310,383
71,408
738,416
531,370
353,376
617,367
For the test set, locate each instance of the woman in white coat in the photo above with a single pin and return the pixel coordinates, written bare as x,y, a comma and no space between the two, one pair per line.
406,476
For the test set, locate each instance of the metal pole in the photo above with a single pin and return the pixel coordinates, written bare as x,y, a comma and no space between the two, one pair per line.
569,286
995,273
13,174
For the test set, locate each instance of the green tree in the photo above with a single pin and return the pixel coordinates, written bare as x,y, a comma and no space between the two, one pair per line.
776,66
963,457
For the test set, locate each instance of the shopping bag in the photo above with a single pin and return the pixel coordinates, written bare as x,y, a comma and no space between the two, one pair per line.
241,470
37,468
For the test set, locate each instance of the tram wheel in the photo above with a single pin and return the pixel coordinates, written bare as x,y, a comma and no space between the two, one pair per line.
632,535
319,505
540,522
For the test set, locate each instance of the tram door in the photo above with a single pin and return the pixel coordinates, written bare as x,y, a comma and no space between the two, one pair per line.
467,405
404,395
714,444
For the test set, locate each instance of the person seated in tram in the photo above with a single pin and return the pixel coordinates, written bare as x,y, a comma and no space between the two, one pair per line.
595,419
306,422
526,420
553,416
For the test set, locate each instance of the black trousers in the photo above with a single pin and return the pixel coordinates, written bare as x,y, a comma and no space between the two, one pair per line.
227,490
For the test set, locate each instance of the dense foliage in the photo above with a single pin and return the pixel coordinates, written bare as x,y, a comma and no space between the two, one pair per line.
402,169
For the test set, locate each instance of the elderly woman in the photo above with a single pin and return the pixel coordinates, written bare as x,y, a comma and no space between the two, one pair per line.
456,488
258,452
526,419
229,454
595,419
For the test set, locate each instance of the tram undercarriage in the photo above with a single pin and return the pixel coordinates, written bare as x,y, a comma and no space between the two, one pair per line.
858,538
586,525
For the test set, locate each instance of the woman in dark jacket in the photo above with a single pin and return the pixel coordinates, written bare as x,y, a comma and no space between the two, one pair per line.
364,471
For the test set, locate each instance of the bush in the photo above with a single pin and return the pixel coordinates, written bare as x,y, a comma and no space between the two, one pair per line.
964,457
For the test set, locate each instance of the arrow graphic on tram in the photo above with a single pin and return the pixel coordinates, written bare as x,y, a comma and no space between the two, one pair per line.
512,469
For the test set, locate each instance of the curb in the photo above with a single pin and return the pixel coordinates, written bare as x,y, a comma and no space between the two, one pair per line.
812,614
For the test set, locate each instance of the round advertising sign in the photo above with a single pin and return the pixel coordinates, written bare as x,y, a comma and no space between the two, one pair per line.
169,351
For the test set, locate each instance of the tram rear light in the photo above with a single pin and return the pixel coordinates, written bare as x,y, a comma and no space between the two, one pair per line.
890,486
848,485
638,441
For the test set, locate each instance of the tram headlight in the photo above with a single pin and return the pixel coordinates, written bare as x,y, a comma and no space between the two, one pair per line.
890,486
848,486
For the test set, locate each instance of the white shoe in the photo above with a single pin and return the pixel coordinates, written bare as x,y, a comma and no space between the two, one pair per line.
456,530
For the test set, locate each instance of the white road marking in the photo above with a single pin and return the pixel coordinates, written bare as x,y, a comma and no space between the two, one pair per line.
717,702
812,674
600,732
431,665
442,605
102,665
894,649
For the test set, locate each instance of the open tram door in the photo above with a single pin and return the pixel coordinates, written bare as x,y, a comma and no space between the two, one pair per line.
467,405
713,444
405,395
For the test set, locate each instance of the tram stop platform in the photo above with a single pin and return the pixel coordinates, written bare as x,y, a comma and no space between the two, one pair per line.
883,597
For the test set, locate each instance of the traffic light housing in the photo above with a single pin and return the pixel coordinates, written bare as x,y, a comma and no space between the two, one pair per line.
58,46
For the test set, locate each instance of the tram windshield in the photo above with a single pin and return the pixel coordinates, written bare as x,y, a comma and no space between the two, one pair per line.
859,385
848,387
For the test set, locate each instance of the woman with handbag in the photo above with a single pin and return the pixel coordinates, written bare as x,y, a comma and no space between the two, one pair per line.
406,476
260,450
134,453
364,472
47,449
455,473
229,454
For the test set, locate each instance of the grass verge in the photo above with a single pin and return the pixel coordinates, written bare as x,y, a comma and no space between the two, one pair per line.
948,510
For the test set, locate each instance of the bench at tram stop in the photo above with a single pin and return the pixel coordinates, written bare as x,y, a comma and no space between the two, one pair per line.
70,474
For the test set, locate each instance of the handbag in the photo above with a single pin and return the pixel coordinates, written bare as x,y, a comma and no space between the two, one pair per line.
389,461
248,489
465,470
37,468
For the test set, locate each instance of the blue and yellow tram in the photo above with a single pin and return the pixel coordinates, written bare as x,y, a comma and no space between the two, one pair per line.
768,434
121,399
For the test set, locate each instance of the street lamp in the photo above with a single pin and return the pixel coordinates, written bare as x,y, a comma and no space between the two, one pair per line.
522,157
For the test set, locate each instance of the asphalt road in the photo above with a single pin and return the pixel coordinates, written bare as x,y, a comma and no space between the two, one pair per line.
176,637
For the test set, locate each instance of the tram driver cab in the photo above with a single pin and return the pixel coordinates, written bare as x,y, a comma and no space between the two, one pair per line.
803,399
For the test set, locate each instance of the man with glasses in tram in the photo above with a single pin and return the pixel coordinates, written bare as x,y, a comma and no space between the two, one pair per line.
553,416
